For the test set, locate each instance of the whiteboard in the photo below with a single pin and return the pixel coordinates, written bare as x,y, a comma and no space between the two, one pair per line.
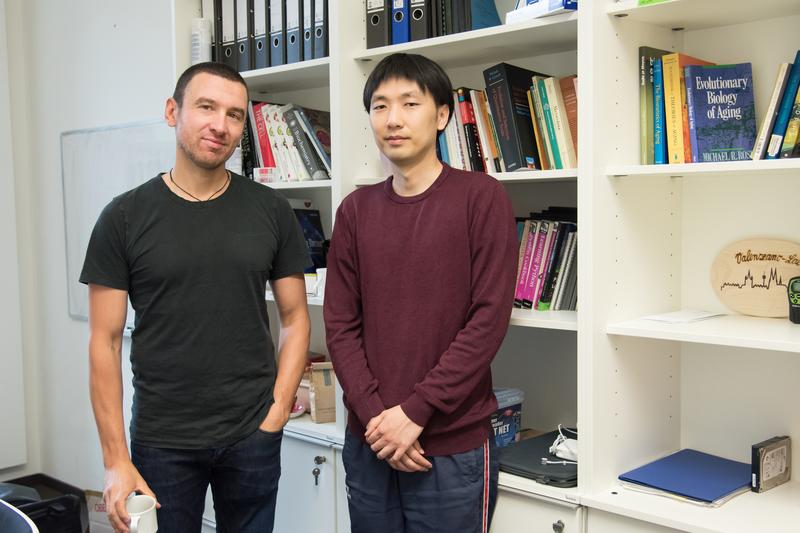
97,165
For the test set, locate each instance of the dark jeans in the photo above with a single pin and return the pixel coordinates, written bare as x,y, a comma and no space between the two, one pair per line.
243,477
457,495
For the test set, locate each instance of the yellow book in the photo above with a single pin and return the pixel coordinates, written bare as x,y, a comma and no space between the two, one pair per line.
675,111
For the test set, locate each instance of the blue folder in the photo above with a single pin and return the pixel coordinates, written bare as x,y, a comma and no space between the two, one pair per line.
692,474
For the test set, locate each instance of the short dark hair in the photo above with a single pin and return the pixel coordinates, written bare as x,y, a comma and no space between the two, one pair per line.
215,69
428,74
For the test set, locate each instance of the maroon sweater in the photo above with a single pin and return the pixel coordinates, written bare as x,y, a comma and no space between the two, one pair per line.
418,296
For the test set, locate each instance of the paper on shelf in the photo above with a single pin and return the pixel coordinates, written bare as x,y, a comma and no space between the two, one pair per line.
684,316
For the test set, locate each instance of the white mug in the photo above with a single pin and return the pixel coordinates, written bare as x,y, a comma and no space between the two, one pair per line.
142,510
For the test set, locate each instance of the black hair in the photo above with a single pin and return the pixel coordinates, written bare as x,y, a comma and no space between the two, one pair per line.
426,73
215,69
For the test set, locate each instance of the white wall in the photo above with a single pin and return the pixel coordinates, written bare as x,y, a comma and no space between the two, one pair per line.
77,64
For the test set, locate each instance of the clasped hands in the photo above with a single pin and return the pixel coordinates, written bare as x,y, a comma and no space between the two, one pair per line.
395,438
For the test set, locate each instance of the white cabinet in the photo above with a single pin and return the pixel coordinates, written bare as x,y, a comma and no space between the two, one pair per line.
602,522
519,513
307,490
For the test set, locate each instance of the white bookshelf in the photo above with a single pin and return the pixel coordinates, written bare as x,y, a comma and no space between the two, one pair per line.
561,320
729,330
637,390
294,185
775,510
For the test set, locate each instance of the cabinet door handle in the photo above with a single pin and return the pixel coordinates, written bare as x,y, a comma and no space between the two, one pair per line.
318,460
316,473
558,527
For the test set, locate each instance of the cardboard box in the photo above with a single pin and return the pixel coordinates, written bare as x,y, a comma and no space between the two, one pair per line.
507,420
98,519
322,393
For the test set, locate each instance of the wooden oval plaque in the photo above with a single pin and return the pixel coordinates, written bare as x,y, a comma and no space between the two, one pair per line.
750,276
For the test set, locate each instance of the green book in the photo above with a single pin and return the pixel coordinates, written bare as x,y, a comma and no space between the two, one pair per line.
548,119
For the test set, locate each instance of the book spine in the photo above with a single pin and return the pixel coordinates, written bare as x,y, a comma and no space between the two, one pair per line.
568,267
672,106
533,276
539,111
690,107
562,266
280,147
483,139
498,93
259,131
570,96
548,119
470,130
687,141
560,124
760,147
318,147
527,245
782,120
659,140
537,134
303,144
552,267
466,156
644,115
792,129
495,141
547,251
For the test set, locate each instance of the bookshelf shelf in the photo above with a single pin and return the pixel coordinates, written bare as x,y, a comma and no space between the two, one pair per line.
303,425
547,35
734,168
529,487
562,320
306,74
774,510
524,176
728,330
316,184
693,15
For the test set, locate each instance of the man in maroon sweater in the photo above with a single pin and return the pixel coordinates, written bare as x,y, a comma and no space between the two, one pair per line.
418,297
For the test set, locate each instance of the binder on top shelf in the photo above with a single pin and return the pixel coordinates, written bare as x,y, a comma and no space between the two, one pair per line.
320,28
228,42
260,48
420,19
308,29
211,12
244,32
277,33
294,30
400,26
379,13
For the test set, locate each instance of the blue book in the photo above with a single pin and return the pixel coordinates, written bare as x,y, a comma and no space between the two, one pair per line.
444,154
659,120
691,474
722,113
784,111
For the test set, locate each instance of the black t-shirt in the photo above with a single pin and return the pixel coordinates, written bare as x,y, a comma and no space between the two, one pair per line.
202,357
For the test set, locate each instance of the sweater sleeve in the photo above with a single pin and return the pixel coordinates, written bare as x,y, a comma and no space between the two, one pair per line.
343,322
494,251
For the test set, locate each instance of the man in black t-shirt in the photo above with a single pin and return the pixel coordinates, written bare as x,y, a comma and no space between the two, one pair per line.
193,248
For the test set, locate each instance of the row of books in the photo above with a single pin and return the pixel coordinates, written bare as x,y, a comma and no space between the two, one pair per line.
523,120
400,21
547,271
254,34
286,143
693,111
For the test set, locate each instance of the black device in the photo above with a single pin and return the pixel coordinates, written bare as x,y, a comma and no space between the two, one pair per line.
794,299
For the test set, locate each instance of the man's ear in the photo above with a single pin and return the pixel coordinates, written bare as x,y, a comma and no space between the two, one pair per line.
171,112
443,113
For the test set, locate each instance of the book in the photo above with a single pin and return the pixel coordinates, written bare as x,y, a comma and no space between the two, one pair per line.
647,58
311,224
560,123
541,148
319,130
760,147
538,111
483,136
694,475
721,111
676,115
659,124
792,129
505,89
470,126
550,128
784,111
569,91
303,143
